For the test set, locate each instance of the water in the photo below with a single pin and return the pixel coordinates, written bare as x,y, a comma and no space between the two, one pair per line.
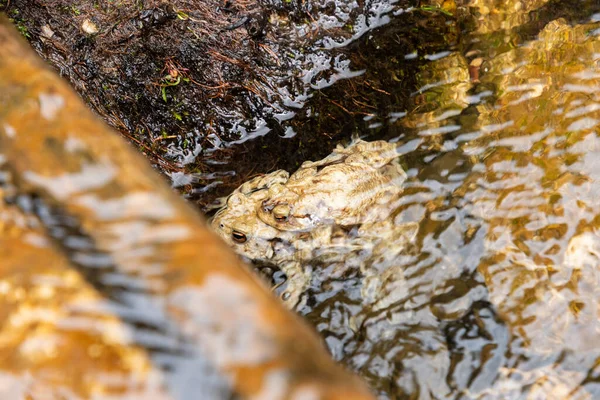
498,297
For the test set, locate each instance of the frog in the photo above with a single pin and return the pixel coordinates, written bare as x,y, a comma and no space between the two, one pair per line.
346,200
353,185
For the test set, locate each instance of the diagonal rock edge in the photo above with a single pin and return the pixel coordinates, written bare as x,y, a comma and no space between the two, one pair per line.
56,149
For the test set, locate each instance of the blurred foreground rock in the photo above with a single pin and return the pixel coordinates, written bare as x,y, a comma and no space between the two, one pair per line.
111,285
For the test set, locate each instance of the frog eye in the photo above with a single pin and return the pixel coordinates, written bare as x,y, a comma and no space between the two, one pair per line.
281,212
238,237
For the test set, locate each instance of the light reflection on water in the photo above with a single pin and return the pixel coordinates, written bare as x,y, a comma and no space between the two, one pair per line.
499,296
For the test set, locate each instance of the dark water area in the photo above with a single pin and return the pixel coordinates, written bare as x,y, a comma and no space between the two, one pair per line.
211,103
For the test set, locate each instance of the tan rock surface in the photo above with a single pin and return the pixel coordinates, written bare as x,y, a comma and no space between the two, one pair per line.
87,185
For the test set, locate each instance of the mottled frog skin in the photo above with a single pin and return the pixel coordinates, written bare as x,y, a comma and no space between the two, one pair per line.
353,185
326,211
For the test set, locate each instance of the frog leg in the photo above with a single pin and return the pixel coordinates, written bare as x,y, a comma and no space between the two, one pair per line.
297,282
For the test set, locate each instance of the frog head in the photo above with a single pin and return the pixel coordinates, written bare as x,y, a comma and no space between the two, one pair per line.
238,224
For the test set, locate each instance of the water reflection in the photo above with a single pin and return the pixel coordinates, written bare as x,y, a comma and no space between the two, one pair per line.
499,296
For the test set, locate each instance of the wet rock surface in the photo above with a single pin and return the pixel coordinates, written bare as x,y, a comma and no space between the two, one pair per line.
112,286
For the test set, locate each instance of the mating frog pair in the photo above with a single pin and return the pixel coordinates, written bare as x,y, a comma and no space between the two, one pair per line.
326,211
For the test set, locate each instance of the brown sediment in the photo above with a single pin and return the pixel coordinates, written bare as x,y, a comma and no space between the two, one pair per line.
172,76
57,151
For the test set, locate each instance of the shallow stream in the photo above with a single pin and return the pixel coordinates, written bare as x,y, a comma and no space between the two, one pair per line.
498,297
